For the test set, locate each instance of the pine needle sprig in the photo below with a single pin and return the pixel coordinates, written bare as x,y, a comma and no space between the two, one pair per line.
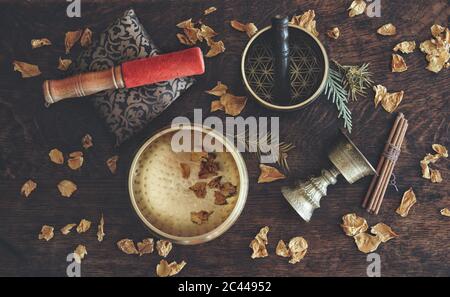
357,79
336,92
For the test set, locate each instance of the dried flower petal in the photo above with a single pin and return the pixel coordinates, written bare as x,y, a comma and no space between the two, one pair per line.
185,170
282,250
435,176
200,217
46,233
398,63
334,33
86,141
67,229
232,104
207,32
28,187
56,156
27,70
164,269
297,248
185,24
437,49
86,38
72,37
437,30
356,8
215,183
76,160
219,90
219,198
440,149
306,21
199,156
210,10
67,188
387,30
37,43
101,229
269,174
145,246
199,189
216,105
258,245
405,47
215,48
249,28
367,243
445,212
83,226
408,200
183,39
228,189
79,253
383,231
353,225
127,246
208,167
389,101
64,64
112,164
163,247
193,34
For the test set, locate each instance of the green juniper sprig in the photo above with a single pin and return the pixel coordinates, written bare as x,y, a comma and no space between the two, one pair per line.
357,79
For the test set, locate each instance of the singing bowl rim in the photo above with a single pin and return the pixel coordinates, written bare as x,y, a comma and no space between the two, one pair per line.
235,213
302,104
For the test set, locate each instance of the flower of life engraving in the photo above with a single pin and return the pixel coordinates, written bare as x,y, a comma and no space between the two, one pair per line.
305,71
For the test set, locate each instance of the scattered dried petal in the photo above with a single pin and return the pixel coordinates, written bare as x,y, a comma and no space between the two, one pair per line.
383,231
215,183
435,176
297,248
185,170
163,247
215,48
249,28
408,200
145,246
306,21
76,160
228,189
112,164
216,105
232,104
56,156
67,188
269,174
101,229
46,233
37,43
208,167
86,38
353,225
67,229
398,63
200,217
183,39
199,156
367,243
334,33
437,49
219,90
437,30
64,64
28,187
210,10
258,245
405,47
199,189
83,226
219,198
282,250
207,32
440,149
164,269
72,37
389,101
356,8
79,253
445,212
387,30
27,70
185,24
127,246
86,141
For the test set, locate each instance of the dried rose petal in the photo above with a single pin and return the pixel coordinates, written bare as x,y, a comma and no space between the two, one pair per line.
83,226
101,229
269,174
249,28
72,37
228,189
64,64
66,188
232,104
219,198
356,8
163,247
145,246
440,149
185,170
199,156
37,43
199,189
387,30
445,212
208,167
353,225
367,243
183,39
46,233
405,47
185,24
437,30
209,10
127,246
193,34
79,253
219,90
76,160
435,176
27,70
86,38
408,200
215,183
86,141
207,32
164,269
112,164
398,63
215,48
383,231
437,49
258,245
200,217
28,187
216,105
334,33
297,248
282,250
389,101
306,21
56,156
67,229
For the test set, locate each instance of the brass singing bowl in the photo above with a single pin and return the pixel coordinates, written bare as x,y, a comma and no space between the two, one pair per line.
309,69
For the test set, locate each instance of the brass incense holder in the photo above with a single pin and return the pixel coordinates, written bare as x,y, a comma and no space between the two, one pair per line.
347,160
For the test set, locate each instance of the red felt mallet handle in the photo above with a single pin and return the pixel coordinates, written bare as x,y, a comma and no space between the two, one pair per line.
128,75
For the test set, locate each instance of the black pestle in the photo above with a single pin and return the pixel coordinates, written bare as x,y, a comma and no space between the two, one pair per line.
280,45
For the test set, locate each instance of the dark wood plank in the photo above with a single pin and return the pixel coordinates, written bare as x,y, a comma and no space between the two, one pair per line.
28,131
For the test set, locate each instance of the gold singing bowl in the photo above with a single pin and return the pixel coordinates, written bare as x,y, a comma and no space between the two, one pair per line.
347,160
308,69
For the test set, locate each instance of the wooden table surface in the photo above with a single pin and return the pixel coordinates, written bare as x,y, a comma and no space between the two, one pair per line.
28,131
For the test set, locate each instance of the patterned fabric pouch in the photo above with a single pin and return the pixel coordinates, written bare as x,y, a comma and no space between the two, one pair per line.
127,111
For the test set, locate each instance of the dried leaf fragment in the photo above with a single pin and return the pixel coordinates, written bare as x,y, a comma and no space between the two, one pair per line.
163,247
199,189
258,244
72,37
269,174
398,63
306,21
46,233
216,48
83,226
384,232
37,43
334,33
27,188
297,248
389,101
445,212
282,250
112,164
185,170
64,64
79,253
367,243
27,70
356,8
405,47
101,229
67,188
145,246
387,30
75,160
86,38
56,156
127,246
164,269
233,105
86,141
200,217
209,10
408,200
67,229
248,28
353,224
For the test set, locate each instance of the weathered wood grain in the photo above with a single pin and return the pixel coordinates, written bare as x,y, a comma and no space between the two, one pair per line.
28,131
